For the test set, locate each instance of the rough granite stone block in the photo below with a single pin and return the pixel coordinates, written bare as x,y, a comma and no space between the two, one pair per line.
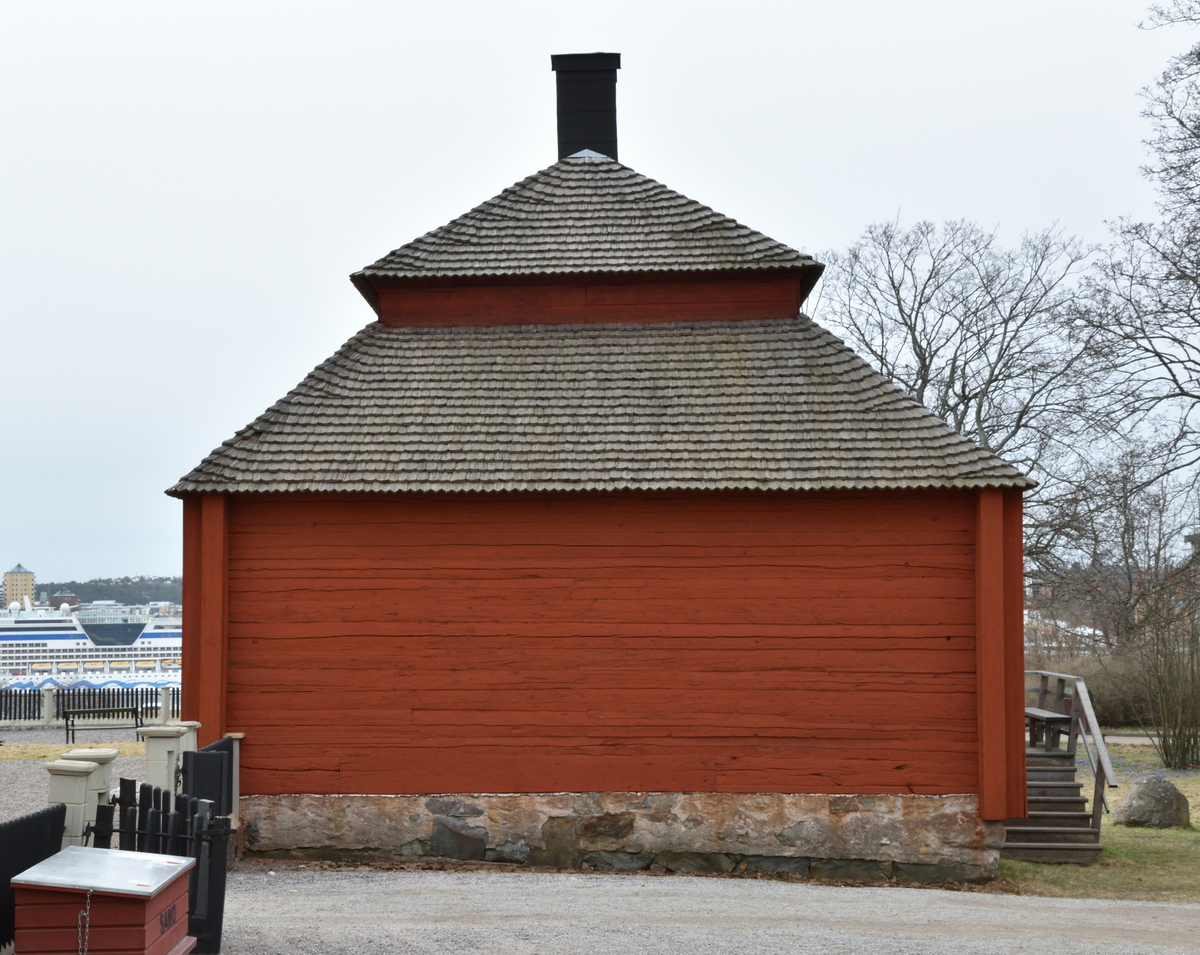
797,865
694,861
509,852
454,839
850,870
452,807
608,831
628,861
561,850
939,872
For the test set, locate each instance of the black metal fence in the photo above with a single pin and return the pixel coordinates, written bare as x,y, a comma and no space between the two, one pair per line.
144,698
148,819
24,842
20,704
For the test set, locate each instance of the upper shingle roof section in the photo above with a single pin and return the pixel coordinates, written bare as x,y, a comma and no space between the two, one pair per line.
584,214
777,404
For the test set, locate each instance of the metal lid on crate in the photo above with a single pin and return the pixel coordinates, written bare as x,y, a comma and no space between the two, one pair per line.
112,871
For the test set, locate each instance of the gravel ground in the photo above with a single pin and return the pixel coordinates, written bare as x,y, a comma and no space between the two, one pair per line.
297,912
23,782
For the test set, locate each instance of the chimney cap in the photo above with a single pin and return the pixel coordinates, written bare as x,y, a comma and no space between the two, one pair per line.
571,62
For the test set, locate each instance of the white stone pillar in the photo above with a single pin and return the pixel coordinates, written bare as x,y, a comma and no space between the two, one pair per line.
69,785
48,705
100,783
189,743
162,754
164,704
235,813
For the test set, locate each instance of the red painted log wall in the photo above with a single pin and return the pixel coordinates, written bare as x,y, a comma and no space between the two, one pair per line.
732,642
572,299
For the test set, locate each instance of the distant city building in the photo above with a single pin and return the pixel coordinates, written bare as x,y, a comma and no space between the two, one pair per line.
18,584
64,597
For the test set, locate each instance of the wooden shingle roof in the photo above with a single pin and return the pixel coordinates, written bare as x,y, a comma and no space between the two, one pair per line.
584,214
779,404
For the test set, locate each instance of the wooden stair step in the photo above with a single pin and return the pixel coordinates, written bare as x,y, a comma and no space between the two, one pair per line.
1074,853
1058,803
1077,819
1052,787
1055,834
1041,757
1034,776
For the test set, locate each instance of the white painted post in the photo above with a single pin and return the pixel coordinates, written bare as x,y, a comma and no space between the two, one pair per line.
235,814
69,785
164,704
48,705
162,754
189,743
100,782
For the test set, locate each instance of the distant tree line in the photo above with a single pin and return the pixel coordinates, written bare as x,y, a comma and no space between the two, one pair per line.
126,590
1080,364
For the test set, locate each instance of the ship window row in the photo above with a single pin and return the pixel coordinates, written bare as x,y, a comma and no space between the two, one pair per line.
88,654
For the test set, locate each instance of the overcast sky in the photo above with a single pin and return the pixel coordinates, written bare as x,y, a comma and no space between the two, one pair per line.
185,187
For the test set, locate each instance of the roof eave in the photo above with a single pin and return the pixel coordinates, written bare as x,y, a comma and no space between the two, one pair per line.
369,282
810,275
366,289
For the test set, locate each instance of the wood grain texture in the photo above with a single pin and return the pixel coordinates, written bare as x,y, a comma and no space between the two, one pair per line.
46,920
191,678
212,636
990,656
790,642
583,299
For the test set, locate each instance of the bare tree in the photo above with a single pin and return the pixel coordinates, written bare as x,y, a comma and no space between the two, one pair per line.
1145,294
1173,105
1129,588
986,337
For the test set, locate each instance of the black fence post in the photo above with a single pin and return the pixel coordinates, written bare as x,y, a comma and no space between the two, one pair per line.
102,828
172,847
152,829
129,837
145,804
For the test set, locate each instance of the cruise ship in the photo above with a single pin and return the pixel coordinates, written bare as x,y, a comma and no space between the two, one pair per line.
100,644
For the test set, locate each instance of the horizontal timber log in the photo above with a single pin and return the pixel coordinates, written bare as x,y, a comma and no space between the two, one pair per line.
728,642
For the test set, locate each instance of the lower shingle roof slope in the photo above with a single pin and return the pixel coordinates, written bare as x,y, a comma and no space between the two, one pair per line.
777,404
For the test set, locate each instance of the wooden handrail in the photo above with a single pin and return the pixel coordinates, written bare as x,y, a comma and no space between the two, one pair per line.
1087,722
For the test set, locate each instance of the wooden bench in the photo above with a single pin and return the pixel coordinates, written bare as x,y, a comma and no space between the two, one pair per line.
101,712
1046,725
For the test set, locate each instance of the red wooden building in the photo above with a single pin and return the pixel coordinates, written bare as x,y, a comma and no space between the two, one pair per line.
593,514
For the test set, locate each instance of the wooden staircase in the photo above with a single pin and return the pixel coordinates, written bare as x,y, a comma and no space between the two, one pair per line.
1060,827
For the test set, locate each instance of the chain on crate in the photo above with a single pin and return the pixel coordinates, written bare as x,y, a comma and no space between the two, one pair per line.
83,924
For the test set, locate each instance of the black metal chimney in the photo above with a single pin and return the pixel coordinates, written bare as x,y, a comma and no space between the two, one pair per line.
587,102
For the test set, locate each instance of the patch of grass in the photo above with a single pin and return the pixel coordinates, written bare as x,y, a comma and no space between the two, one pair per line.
55,750
1158,865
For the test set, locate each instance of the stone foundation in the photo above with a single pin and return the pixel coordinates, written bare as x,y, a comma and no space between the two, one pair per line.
843,838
